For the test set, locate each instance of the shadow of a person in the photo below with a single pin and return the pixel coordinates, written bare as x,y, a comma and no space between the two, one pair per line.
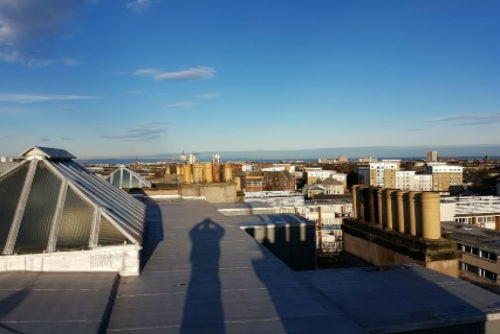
203,310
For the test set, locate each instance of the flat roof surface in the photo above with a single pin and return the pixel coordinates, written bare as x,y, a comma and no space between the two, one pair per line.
207,275
402,298
33,302
475,236
202,273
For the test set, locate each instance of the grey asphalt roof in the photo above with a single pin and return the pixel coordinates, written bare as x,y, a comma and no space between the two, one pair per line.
403,298
54,302
474,236
207,275
203,274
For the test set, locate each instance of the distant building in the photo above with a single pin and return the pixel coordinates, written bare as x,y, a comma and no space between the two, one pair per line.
409,180
380,174
405,179
432,156
312,190
216,158
183,157
482,211
423,182
248,168
316,175
327,161
367,160
279,168
253,182
328,186
278,181
343,158
444,176
275,198
191,159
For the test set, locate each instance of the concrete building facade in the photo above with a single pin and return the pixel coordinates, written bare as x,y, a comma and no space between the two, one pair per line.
432,156
444,176
480,253
380,174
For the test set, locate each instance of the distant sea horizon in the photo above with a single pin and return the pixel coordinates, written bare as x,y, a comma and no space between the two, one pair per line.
125,161
352,153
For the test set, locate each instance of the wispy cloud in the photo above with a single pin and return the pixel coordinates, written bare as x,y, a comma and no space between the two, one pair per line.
469,119
24,22
32,98
202,72
140,6
44,139
180,105
8,55
149,131
206,96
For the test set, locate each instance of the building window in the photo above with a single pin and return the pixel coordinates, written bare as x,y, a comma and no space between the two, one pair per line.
472,269
489,275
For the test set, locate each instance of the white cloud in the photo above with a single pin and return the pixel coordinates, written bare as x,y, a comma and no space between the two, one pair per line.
149,131
469,119
180,105
31,98
207,96
15,56
25,21
202,72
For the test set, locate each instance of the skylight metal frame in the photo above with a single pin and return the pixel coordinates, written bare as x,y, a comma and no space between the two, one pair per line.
121,210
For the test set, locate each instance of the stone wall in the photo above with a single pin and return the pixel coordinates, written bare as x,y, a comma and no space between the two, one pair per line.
214,193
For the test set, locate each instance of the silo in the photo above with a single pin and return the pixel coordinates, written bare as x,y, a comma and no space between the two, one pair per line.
237,180
197,173
186,173
216,172
228,173
207,172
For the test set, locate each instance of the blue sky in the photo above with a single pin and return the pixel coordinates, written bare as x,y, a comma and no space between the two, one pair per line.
122,77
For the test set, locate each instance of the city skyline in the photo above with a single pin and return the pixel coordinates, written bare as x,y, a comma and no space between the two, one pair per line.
118,78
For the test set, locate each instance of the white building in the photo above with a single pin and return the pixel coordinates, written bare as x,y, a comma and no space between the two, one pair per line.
280,168
380,174
366,160
483,211
409,180
405,179
423,182
315,174
444,168
248,168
